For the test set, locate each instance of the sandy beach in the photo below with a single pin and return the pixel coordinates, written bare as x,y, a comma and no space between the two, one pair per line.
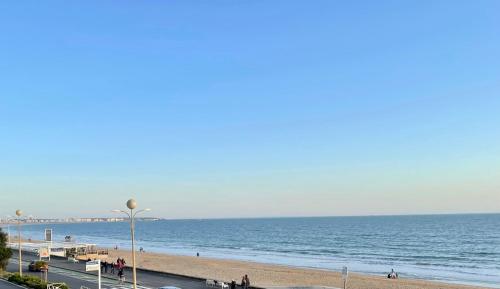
266,275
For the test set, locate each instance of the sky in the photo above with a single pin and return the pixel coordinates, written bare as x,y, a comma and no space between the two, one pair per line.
213,109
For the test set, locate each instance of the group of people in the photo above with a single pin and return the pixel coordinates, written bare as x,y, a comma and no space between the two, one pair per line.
114,266
245,283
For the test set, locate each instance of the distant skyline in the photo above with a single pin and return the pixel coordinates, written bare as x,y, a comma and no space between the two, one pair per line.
32,220
249,108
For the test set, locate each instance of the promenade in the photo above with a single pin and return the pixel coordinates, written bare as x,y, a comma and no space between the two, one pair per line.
74,274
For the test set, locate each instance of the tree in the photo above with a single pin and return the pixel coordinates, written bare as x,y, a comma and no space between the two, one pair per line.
5,253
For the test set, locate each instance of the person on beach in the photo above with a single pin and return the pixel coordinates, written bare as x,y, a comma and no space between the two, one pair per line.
232,285
392,275
247,281
243,283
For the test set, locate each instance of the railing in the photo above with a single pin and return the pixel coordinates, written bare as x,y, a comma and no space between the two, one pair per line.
97,252
89,254
55,285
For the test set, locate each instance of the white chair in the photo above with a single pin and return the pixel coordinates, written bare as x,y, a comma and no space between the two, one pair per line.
224,285
72,259
210,283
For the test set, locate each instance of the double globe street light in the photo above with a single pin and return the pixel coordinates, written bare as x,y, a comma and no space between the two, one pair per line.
132,204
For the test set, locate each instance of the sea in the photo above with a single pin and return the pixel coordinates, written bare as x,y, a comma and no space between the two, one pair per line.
462,249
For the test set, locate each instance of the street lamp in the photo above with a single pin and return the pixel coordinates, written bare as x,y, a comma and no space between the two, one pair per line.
18,214
132,204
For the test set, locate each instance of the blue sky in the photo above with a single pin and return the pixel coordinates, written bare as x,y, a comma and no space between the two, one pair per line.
250,108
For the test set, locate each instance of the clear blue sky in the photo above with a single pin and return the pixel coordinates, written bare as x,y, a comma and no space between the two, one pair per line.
250,108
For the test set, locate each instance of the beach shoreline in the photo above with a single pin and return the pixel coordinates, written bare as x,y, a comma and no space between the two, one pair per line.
269,275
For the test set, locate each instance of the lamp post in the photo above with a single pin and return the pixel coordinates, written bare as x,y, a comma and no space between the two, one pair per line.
132,204
18,214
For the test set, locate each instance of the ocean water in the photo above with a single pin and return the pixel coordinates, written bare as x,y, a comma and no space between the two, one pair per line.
452,248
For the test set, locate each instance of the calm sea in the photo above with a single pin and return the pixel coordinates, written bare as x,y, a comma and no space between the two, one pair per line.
453,248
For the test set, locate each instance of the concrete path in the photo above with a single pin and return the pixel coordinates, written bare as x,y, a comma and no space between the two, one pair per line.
60,270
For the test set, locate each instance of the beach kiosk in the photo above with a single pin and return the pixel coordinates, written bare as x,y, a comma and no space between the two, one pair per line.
65,250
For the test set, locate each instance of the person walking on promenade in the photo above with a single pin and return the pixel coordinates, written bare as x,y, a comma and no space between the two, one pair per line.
113,268
232,285
119,265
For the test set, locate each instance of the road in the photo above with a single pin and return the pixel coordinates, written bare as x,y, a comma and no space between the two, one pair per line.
60,270
7,285
58,276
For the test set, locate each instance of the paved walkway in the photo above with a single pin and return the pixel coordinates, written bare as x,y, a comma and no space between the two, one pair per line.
73,278
146,279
